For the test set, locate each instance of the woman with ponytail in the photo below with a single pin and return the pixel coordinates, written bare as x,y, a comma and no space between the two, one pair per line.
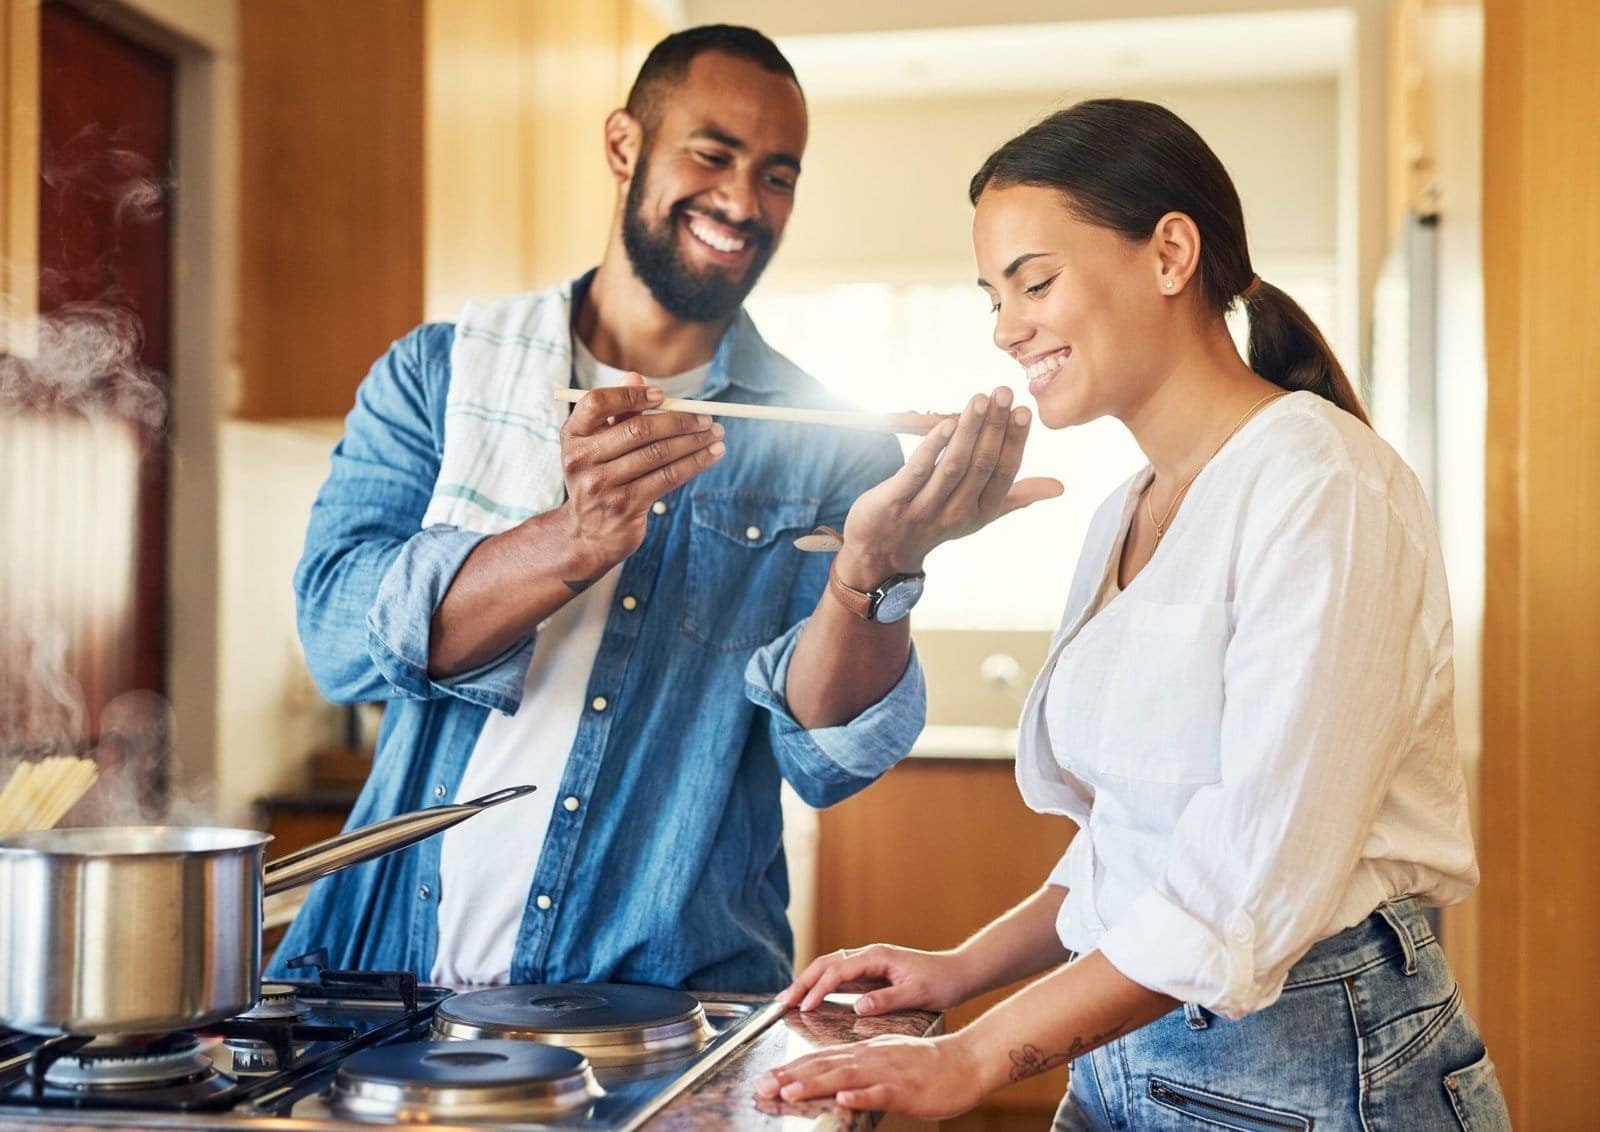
1247,709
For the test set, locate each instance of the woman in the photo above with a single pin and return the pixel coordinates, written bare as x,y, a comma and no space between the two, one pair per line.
1247,709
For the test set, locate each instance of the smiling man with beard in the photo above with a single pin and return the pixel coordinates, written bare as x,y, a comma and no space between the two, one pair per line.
611,605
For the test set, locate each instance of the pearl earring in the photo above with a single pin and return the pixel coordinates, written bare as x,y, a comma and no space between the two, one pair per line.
1168,284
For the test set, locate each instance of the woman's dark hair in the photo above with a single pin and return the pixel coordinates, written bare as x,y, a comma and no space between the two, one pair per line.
1123,165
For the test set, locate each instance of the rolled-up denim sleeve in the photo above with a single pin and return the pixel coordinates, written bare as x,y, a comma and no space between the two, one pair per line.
370,579
828,764
399,621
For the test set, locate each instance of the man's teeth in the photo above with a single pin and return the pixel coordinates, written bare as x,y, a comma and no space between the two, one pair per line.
710,236
1047,364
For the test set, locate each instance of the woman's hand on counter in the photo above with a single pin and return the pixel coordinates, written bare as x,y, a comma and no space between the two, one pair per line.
896,978
928,1078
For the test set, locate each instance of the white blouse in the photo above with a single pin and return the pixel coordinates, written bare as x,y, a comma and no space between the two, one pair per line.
1256,735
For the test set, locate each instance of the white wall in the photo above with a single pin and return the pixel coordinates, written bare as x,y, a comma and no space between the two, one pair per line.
784,17
1455,67
884,192
269,714
1462,392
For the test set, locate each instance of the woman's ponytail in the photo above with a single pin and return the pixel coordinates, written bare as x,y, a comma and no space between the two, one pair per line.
1287,349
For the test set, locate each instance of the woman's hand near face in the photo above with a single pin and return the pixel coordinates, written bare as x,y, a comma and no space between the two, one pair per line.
928,1078
898,978
958,480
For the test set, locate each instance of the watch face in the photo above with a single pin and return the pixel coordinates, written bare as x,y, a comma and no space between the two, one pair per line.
897,598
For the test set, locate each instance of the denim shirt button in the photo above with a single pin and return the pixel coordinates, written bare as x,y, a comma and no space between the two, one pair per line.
630,603
752,533
571,804
599,703
424,892
438,791
544,902
659,507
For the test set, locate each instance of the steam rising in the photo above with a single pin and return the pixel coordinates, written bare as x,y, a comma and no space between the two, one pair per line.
93,165
87,362
85,371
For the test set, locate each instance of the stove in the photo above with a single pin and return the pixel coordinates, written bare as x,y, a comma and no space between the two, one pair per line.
352,1049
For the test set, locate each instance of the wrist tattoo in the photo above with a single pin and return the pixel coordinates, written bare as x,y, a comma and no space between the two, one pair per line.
1030,1060
578,585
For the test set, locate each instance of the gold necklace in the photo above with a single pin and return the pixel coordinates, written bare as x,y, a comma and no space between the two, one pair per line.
1166,516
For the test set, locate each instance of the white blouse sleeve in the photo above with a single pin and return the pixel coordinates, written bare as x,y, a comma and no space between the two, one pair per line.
1321,680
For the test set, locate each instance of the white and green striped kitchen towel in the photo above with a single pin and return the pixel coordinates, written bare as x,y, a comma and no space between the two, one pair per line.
502,426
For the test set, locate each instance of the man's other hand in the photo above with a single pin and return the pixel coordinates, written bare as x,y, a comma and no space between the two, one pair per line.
618,459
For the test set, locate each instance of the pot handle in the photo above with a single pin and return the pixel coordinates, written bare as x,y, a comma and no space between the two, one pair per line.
306,865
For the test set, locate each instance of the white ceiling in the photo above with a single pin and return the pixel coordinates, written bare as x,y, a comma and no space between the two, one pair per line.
1241,47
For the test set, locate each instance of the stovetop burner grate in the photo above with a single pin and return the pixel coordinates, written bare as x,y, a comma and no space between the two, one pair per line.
388,1006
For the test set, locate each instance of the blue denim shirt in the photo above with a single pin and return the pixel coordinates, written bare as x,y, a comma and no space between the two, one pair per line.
671,870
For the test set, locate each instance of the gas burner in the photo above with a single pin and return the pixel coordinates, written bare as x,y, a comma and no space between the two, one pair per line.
252,1058
277,1001
132,1063
426,1082
258,1057
609,1023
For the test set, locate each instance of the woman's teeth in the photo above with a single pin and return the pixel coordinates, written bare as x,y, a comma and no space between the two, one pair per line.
1048,364
709,236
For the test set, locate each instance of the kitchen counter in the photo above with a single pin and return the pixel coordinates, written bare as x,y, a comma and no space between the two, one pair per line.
728,1099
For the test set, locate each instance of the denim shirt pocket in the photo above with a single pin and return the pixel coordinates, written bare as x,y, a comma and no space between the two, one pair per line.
742,565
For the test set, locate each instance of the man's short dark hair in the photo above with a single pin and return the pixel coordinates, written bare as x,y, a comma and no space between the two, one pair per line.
668,63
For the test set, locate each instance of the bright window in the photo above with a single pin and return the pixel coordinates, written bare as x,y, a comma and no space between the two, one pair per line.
928,346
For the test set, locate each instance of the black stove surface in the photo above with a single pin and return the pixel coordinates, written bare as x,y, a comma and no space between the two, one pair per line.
261,1063
276,1073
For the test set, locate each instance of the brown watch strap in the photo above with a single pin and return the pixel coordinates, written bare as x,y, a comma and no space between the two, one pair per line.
854,600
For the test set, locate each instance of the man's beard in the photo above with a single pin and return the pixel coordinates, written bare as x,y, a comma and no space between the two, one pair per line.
681,291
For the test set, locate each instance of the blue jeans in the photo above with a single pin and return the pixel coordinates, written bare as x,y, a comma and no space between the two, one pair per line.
1369,1034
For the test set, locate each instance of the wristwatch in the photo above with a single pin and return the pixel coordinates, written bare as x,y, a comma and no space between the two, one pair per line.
888,602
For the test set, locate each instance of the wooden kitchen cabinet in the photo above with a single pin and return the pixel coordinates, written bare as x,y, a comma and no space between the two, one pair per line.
923,858
401,156
331,202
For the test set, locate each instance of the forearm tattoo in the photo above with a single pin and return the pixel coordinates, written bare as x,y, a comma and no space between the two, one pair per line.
1030,1060
578,585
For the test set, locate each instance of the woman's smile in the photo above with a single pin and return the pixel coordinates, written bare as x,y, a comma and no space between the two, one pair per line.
1041,369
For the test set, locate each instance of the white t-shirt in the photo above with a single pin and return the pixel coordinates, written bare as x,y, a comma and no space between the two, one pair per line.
480,909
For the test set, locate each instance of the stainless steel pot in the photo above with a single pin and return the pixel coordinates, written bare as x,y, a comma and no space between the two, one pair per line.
142,930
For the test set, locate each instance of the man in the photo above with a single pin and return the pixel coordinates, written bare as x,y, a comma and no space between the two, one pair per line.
611,606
